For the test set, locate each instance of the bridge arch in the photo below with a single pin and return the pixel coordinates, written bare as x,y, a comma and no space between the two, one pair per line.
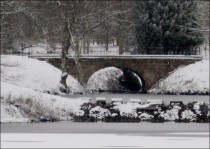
150,68
105,79
116,79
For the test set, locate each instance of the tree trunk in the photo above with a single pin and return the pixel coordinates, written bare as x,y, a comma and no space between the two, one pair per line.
79,72
113,41
65,47
120,40
84,46
77,50
88,45
97,40
64,67
107,42
77,57
117,40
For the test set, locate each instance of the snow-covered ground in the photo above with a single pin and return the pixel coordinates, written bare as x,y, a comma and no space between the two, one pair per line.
38,49
25,83
58,140
20,104
96,49
41,48
204,50
10,113
34,74
193,78
100,49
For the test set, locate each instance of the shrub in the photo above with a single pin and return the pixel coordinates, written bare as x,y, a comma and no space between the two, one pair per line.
188,116
93,112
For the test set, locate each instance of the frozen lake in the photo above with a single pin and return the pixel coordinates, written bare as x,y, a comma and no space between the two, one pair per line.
105,135
166,98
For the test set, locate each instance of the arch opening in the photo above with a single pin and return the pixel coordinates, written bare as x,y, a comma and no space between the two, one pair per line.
105,80
113,79
131,80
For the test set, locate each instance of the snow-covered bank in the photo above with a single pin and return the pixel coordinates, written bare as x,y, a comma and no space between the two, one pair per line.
191,79
25,83
19,104
10,113
35,74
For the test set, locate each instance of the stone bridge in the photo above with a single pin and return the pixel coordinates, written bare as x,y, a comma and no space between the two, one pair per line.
151,68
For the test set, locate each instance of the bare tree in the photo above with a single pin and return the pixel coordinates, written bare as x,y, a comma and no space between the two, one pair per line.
18,25
70,24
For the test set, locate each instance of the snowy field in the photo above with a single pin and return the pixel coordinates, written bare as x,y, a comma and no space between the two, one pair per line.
52,140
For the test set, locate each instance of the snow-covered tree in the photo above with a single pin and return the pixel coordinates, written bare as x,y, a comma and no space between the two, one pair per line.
167,27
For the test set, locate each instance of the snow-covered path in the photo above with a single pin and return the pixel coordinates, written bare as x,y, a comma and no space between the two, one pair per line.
54,140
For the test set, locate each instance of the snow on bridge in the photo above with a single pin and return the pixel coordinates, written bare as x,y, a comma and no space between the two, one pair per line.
121,56
151,68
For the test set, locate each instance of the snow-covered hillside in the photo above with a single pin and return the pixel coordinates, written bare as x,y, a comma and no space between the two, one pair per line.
25,83
20,104
35,74
190,79
105,79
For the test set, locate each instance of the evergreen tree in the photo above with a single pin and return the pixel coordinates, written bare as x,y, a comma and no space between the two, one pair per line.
167,26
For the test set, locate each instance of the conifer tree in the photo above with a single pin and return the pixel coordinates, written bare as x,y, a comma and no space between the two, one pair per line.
167,26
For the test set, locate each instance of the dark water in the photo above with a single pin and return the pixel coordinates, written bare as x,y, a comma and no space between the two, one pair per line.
166,98
73,127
